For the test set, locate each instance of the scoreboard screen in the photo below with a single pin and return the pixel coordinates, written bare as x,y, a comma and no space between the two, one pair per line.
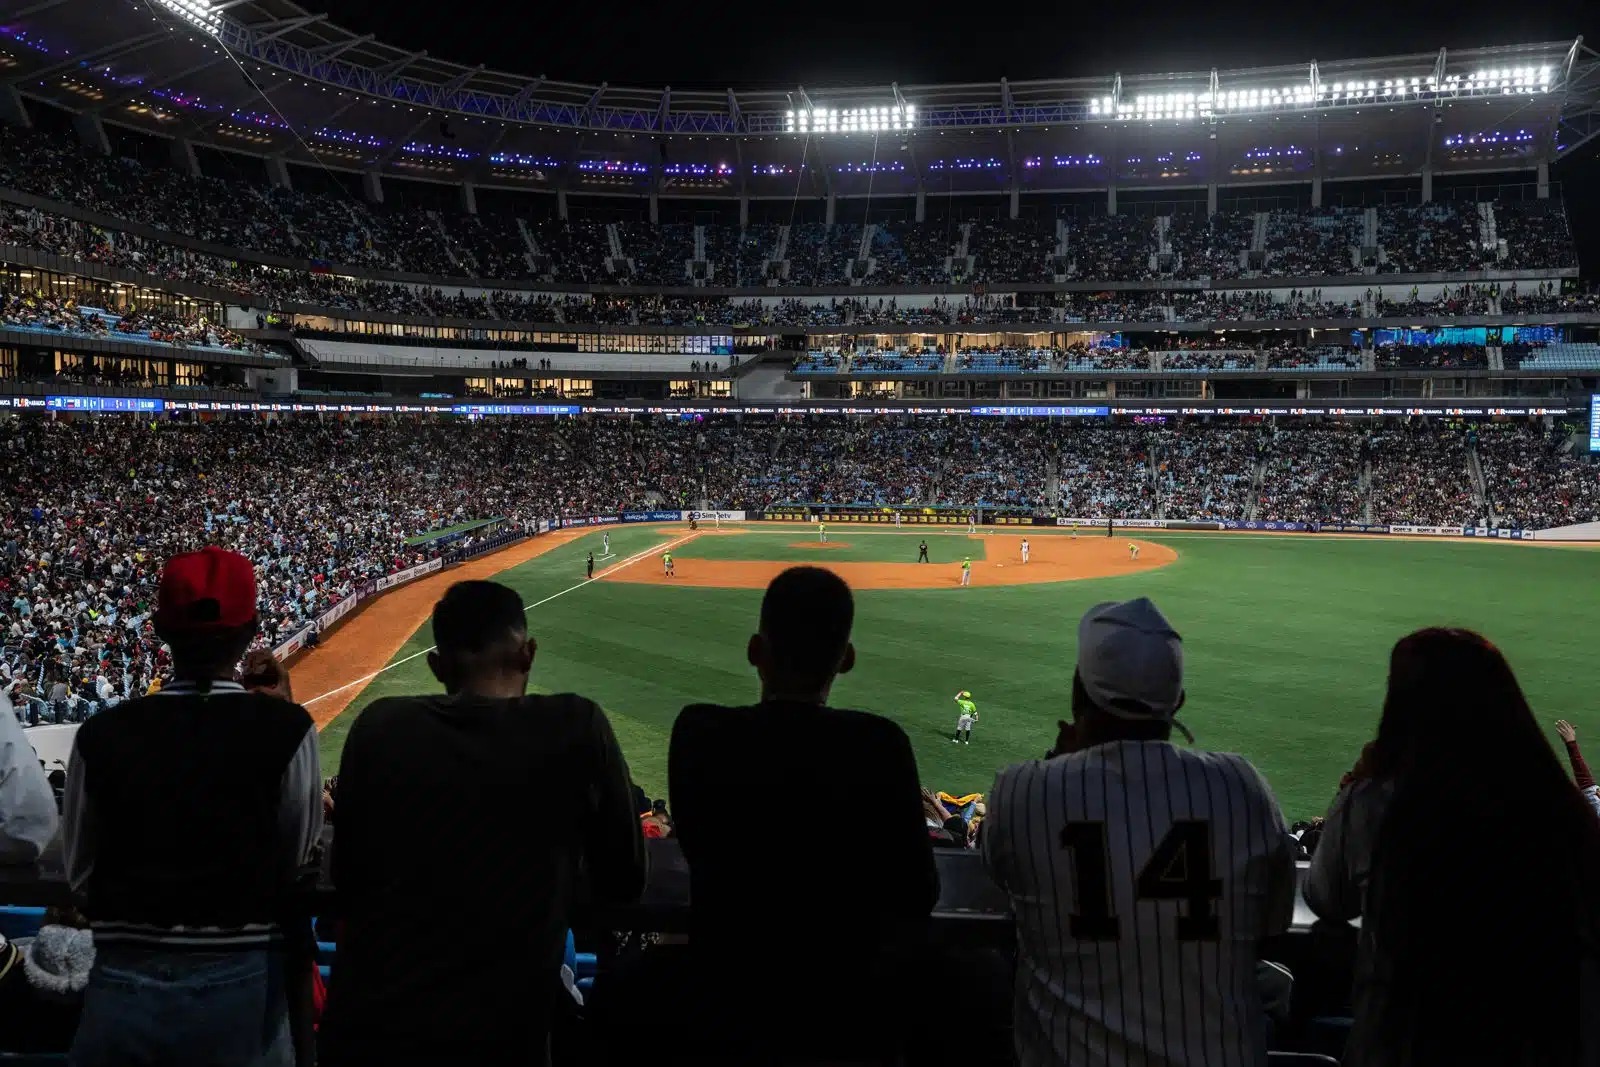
1594,423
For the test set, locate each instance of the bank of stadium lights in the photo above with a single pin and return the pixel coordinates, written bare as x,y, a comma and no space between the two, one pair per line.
1179,107
198,13
851,119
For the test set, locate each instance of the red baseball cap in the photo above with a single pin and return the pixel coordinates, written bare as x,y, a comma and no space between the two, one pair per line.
205,590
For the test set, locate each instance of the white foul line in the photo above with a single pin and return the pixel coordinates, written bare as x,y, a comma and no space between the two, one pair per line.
630,561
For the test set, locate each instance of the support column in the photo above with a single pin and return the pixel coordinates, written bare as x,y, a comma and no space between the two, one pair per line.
13,112
1427,185
561,204
922,205
372,186
1316,190
278,173
183,157
1211,199
469,198
1016,200
1544,181
1111,200
655,209
828,216
92,132
744,211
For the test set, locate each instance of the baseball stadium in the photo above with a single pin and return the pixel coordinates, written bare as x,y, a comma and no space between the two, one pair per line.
1243,419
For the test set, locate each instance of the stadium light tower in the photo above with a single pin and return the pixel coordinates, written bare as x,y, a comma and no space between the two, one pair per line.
201,14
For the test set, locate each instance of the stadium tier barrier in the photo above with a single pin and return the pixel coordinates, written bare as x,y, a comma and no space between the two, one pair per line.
996,517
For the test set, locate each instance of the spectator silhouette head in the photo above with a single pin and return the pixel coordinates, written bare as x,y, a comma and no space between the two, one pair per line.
206,612
1129,682
482,647
1455,722
804,640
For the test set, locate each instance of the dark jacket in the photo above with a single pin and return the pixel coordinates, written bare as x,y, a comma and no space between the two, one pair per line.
809,861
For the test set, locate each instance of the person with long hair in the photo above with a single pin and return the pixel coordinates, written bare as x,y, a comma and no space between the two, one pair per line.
1474,865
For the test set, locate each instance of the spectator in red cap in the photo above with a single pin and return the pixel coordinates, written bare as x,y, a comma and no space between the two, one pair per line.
187,814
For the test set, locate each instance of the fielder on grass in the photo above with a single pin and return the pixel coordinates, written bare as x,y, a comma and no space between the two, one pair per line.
967,716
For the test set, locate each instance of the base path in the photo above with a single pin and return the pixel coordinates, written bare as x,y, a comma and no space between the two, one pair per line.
1053,559
373,635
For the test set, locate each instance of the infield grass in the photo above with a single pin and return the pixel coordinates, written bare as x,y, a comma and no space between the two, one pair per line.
1286,644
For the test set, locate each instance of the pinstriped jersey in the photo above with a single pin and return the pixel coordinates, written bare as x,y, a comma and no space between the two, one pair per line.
1142,876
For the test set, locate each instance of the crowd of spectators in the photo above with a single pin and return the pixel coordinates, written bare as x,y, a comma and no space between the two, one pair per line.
1425,238
92,502
1312,474
1420,476
907,253
1547,297
1019,249
1535,233
1315,242
1531,482
1457,300
1210,247
1119,248
1430,357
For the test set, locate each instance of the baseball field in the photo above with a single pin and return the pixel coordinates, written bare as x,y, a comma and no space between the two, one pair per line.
1286,637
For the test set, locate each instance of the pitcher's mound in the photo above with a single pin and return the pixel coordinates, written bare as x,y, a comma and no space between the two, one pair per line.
1053,559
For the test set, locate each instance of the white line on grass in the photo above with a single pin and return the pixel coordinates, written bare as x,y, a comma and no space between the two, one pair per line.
630,561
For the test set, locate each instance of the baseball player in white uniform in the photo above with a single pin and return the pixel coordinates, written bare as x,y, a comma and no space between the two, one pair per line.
1142,875
605,544
1024,550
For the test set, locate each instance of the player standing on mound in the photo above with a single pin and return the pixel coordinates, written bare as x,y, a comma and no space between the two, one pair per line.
822,532
968,715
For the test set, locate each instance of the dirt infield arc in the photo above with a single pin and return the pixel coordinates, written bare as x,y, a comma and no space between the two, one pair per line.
1052,559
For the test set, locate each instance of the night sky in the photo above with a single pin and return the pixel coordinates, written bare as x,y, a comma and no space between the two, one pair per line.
835,45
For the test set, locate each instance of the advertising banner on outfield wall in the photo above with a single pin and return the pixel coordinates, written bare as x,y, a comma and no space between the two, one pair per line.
1292,527
1427,531
1502,534
706,516
544,526
1351,528
1120,524
650,516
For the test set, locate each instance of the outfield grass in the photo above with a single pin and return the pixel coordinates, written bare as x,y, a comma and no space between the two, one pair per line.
1286,644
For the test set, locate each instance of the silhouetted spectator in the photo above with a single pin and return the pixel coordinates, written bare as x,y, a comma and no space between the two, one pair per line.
484,786
1455,977
786,1002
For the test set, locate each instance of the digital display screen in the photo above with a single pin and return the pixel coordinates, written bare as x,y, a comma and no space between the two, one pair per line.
102,403
1594,423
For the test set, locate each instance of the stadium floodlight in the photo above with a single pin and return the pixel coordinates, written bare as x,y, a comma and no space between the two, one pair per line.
881,119
197,13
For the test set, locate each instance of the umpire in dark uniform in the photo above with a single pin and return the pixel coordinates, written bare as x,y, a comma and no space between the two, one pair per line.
591,565
922,551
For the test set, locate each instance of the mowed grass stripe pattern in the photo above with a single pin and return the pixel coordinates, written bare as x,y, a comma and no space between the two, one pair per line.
1286,644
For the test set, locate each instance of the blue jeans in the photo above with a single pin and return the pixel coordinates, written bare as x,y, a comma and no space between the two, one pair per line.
151,1006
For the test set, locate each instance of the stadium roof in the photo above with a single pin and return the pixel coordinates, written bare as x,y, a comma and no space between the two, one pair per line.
267,77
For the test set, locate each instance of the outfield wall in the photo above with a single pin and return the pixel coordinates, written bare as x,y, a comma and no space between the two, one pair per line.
1583,531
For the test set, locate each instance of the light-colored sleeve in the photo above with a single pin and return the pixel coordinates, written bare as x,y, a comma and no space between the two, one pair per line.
995,839
300,803
28,818
77,822
1336,882
1592,795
